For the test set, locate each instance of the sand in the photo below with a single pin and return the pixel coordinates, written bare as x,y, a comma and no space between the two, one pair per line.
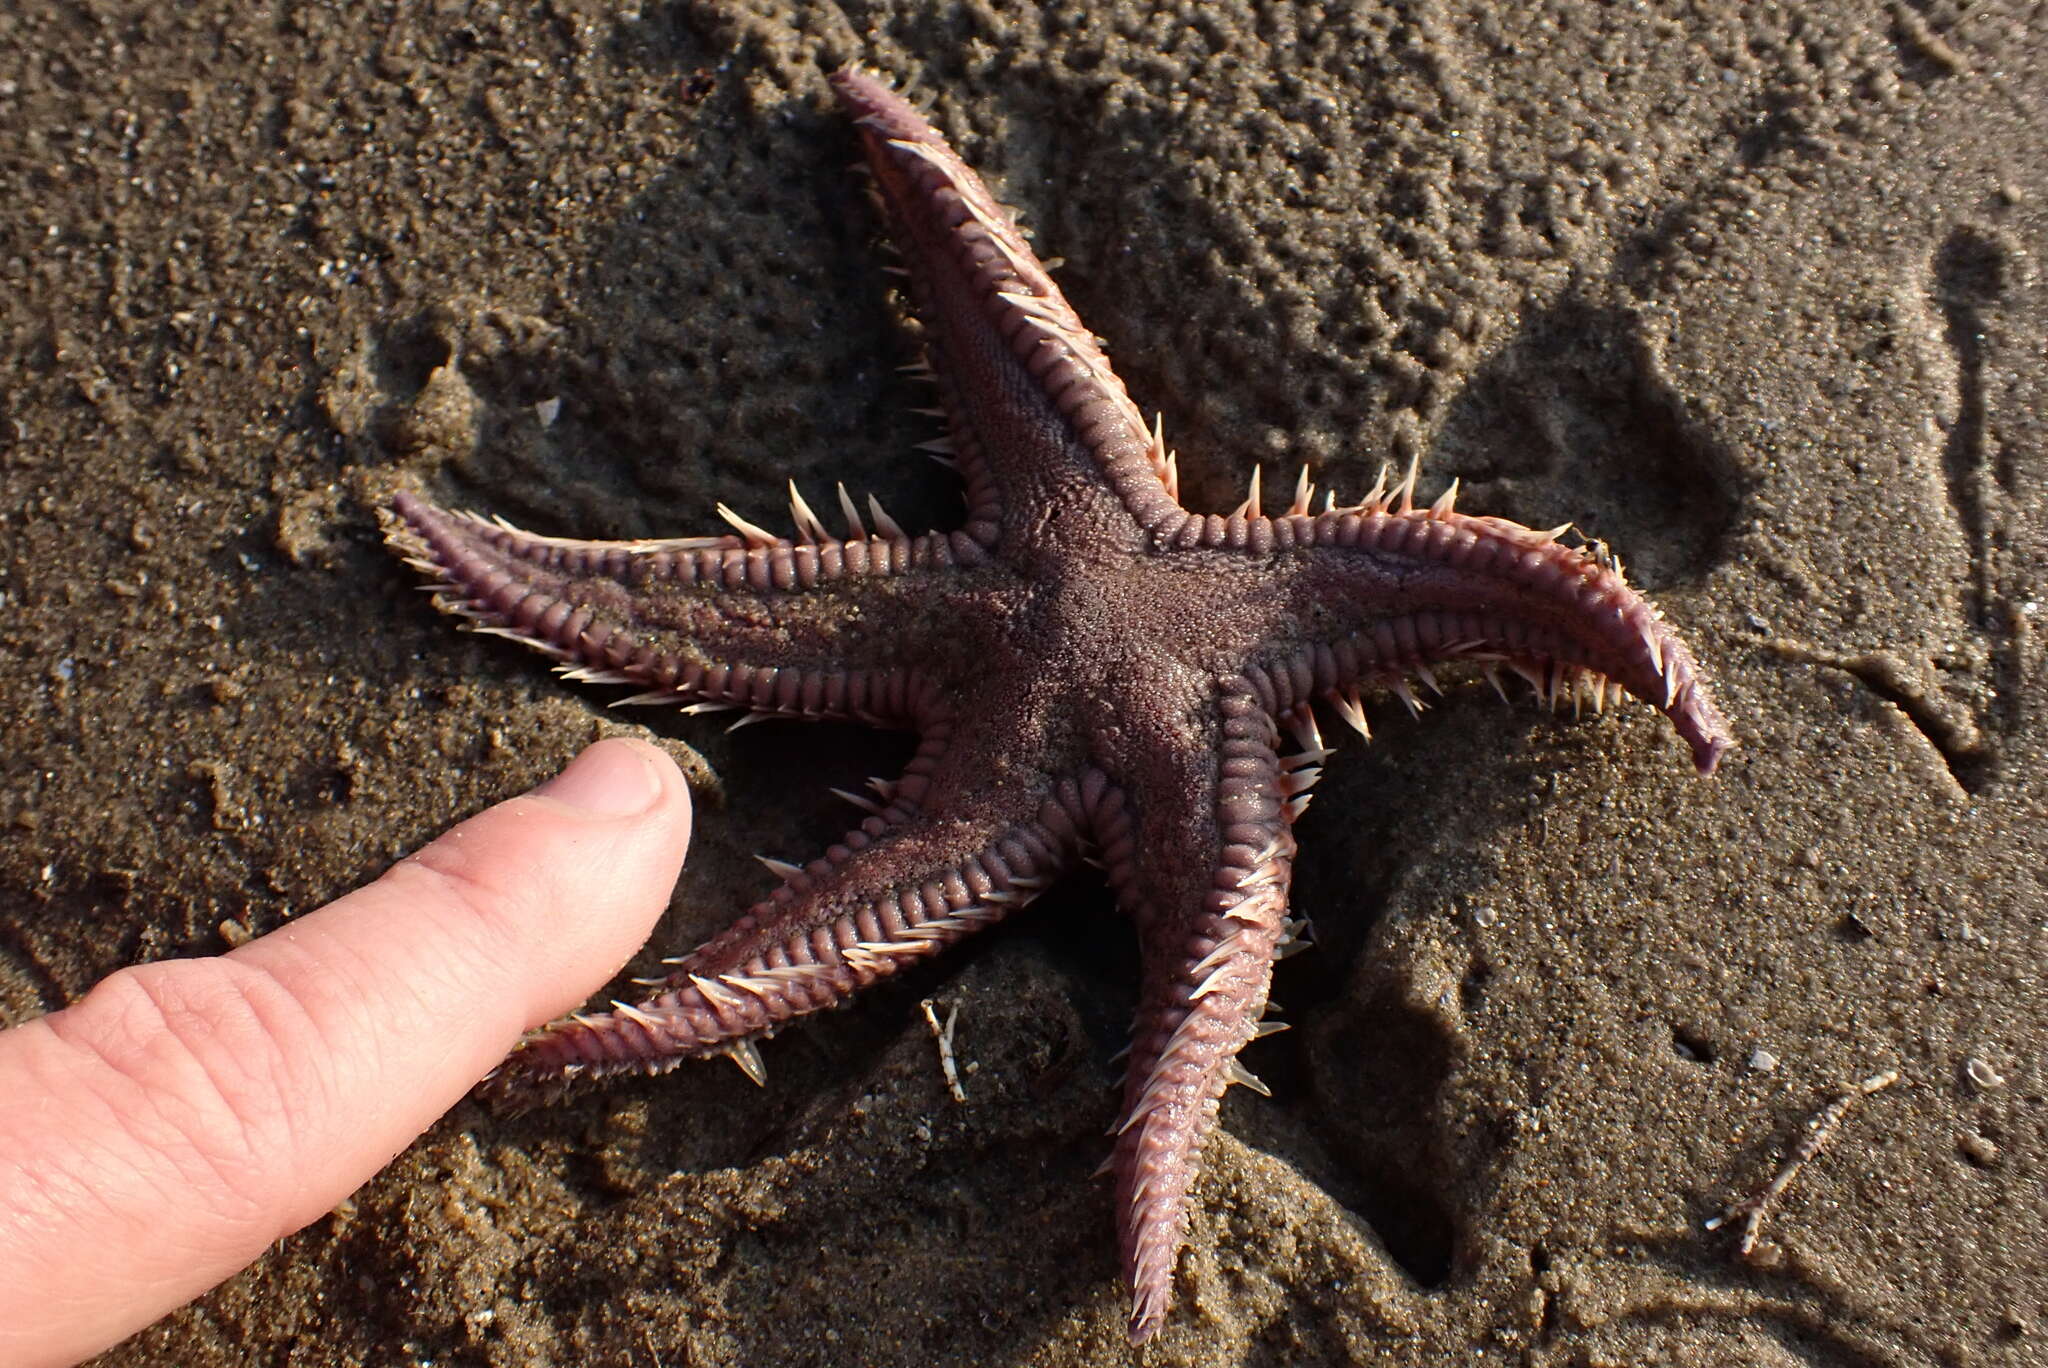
1753,292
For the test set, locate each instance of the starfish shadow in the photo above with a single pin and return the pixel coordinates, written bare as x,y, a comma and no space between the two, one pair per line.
1366,1077
1575,417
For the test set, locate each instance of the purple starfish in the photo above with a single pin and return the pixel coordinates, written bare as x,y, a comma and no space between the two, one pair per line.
1094,672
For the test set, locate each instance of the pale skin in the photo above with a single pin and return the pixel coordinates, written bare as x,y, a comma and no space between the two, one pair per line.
163,1131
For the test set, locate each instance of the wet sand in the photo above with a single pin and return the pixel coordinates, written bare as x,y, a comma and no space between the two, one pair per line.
1753,293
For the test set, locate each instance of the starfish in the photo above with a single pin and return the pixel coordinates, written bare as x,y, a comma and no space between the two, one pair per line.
1093,671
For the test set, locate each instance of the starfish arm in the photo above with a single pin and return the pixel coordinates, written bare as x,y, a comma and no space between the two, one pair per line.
944,853
892,892
1385,590
759,623
1031,402
1210,931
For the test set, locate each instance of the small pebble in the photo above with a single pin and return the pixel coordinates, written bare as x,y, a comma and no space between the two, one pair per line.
1978,1149
1981,1075
1763,1061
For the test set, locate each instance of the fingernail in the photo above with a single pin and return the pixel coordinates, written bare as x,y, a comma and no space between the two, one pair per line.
613,778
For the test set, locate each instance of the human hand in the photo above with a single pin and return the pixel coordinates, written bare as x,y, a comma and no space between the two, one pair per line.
160,1133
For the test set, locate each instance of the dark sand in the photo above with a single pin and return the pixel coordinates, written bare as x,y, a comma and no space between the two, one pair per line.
1754,292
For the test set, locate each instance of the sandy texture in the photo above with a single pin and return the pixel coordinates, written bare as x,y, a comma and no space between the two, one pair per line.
1754,292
